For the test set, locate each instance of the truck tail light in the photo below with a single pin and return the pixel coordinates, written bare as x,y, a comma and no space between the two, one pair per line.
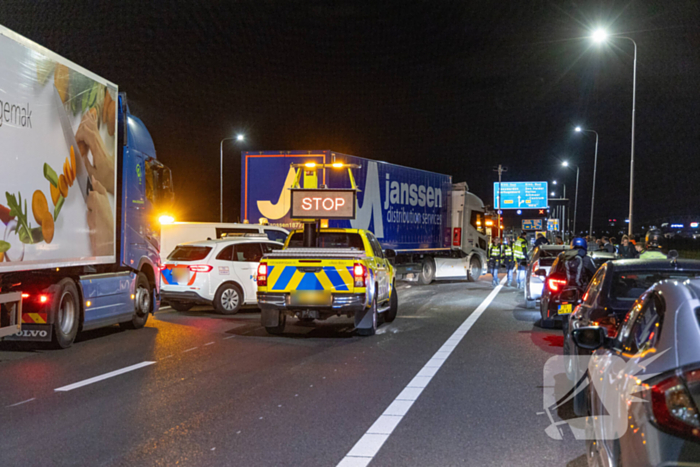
40,298
674,404
359,272
554,284
262,275
200,267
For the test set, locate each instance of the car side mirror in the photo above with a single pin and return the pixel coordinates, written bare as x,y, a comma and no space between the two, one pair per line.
389,254
590,338
541,273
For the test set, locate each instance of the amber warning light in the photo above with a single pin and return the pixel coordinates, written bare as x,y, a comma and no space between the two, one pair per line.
323,204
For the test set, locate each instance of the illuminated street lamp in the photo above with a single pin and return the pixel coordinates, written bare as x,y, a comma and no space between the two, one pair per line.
566,164
600,36
595,166
238,138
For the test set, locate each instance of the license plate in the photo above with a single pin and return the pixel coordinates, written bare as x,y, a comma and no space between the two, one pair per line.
564,309
311,298
181,275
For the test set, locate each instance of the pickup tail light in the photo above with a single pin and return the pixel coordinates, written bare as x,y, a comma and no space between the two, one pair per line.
674,404
555,284
262,275
200,267
359,272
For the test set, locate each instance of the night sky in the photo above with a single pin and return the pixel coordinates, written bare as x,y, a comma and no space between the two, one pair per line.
452,87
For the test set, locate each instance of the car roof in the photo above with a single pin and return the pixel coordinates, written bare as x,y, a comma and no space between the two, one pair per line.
655,264
227,241
337,230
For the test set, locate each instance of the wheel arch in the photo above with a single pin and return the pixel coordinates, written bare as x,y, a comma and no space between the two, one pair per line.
237,284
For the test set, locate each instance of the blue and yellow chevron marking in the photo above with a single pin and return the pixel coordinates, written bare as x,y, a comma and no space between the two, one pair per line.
285,278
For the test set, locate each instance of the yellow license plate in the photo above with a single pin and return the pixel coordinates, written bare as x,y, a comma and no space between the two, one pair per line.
565,309
311,298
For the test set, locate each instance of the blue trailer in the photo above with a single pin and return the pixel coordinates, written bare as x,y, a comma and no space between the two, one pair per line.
94,258
424,220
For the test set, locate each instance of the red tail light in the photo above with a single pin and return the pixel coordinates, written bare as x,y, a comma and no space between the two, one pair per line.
43,298
25,295
359,272
262,275
673,402
554,284
200,267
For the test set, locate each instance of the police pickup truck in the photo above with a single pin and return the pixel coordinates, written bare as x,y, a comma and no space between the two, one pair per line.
346,274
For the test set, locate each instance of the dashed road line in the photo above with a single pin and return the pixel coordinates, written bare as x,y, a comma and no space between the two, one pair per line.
209,343
20,403
374,438
190,350
111,374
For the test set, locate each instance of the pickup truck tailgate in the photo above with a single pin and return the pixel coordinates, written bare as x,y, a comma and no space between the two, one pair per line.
311,269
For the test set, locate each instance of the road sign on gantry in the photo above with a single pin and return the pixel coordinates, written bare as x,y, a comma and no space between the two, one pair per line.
520,195
532,224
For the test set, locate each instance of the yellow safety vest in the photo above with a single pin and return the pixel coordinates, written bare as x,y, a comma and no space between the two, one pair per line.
520,248
495,252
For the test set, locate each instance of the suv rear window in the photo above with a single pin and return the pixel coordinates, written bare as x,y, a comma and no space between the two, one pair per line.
189,253
330,240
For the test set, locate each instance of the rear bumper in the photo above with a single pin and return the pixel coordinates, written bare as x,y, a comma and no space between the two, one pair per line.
342,303
185,296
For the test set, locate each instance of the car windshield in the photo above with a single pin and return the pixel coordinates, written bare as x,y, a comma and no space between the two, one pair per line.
629,285
330,240
189,253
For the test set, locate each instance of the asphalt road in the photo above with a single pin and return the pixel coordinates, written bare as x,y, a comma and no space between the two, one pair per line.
198,388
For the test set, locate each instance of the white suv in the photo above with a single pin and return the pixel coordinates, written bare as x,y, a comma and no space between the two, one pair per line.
214,272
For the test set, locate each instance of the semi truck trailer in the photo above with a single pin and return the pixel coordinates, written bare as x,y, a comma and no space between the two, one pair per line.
81,191
430,227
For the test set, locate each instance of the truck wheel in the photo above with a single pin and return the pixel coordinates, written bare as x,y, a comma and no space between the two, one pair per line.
427,273
372,328
227,300
142,304
181,306
279,329
474,270
390,314
66,312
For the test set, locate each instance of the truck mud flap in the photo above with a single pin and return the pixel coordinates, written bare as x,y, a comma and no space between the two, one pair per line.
269,318
33,333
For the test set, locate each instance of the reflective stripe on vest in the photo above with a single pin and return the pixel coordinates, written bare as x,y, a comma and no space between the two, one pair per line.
519,247
495,251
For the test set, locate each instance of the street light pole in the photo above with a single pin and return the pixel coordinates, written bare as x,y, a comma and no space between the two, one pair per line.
595,167
634,100
566,164
221,176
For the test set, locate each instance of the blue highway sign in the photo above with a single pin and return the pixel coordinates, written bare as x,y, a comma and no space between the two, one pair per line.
533,224
520,195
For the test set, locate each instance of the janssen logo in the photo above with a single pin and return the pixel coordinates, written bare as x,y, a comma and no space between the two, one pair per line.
397,195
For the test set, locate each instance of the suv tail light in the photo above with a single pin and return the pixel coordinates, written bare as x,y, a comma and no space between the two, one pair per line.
262,275
359,272
674,404
200,267
555,284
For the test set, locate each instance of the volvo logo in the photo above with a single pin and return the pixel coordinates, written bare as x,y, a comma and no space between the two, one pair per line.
32,333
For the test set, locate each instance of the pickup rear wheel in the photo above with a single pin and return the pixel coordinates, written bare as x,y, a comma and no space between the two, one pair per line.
228,299
427,273
370,315
66,312
279,329
390,314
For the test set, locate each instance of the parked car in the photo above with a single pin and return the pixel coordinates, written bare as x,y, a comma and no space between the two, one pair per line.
541,259
559,298
171,235
610,294
215,272
659,343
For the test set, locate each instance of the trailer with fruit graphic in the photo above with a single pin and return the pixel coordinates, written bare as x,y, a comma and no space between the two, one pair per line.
81,191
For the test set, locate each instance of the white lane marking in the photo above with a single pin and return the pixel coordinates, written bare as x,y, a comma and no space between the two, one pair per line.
374,438
209,343
111,374
229,337
163,308
20,403
190,350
